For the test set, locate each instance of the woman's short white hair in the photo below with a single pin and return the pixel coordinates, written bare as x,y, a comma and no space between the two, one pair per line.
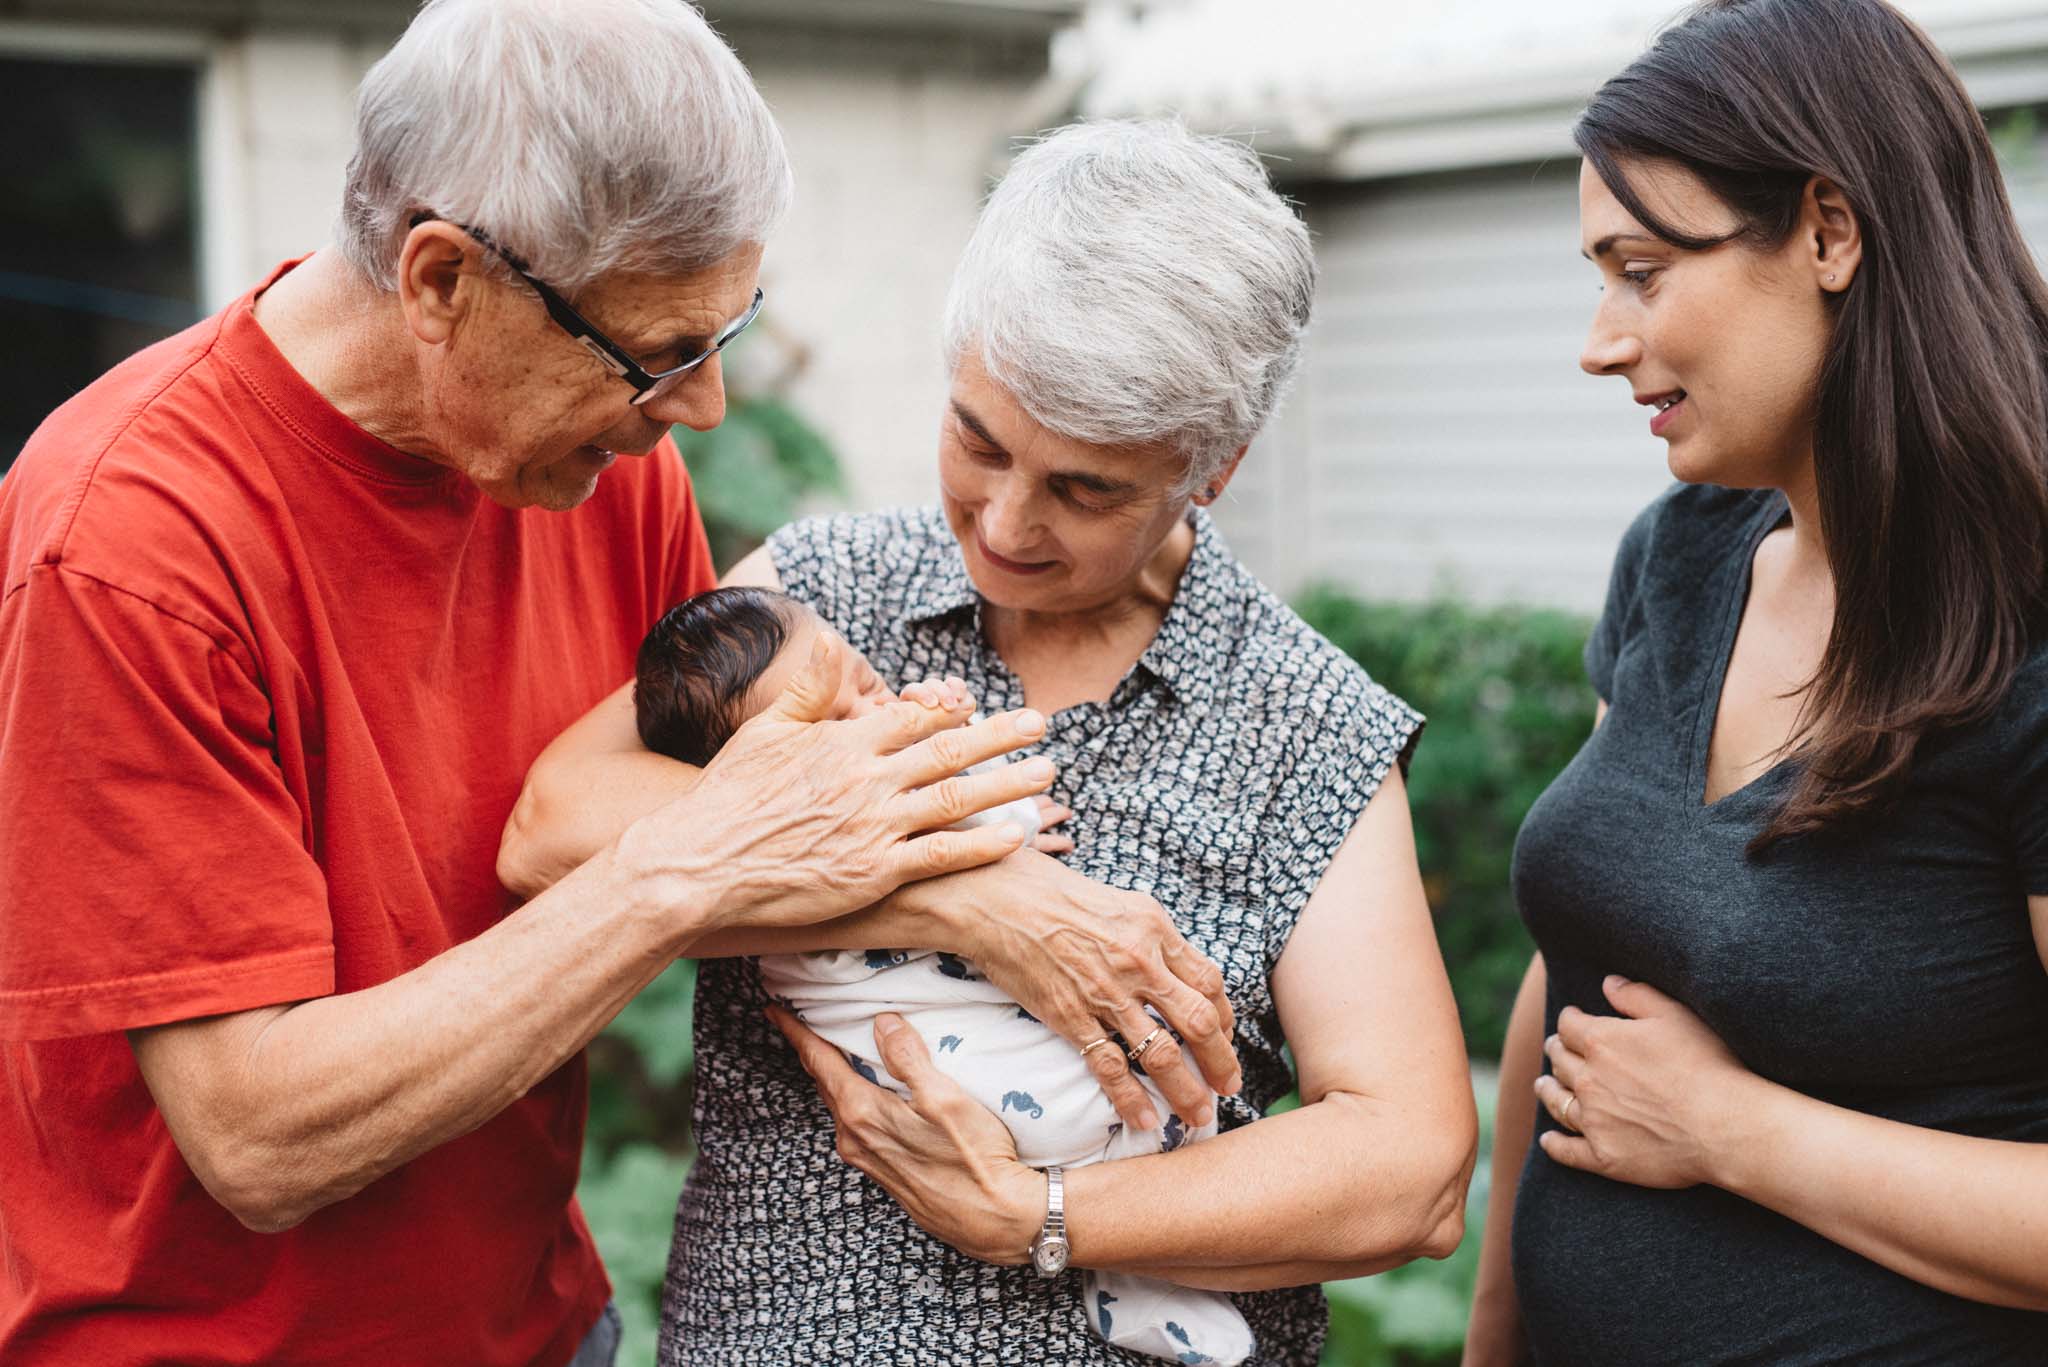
1132,283
587,136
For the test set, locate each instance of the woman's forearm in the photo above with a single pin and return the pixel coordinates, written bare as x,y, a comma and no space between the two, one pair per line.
1265,1276
573,805
1372,1171
1494,1334
1344,1186
1965,1215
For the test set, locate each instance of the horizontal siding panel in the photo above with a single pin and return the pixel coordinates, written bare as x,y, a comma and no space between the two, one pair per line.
1441,436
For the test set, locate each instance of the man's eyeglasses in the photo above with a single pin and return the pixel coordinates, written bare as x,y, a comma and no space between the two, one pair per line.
609,354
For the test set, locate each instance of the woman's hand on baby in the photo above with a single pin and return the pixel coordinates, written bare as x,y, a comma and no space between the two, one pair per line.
796,821
945,1159
1088,960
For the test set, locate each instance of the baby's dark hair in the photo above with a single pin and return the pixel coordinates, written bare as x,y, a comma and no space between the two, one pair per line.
698,662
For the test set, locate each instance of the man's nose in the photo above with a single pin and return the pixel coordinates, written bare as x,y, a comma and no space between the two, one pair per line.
695,400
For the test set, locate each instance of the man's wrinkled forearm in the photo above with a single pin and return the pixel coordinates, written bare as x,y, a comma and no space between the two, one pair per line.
925,915
282,1111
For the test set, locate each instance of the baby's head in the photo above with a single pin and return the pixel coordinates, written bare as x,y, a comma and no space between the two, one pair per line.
718,658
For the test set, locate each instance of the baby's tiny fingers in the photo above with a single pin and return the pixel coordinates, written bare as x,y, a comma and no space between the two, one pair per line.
1051,813
1048,843
951,693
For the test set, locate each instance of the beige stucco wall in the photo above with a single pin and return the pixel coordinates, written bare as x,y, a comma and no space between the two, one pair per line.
891,164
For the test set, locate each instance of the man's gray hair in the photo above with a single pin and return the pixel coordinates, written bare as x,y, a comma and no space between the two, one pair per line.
1133,283
587,136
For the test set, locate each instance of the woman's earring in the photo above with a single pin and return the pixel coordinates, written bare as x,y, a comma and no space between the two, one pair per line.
1831,280
1209,494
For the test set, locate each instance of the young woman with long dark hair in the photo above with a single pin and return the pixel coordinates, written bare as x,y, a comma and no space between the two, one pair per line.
1784,1052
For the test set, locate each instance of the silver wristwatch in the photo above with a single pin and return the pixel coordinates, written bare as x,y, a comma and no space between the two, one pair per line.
1049,1249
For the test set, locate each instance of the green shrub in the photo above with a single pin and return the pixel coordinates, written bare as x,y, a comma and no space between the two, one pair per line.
753,472
629,1198
1508,706
637,1150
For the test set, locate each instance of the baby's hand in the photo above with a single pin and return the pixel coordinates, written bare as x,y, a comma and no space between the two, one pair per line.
949,693
1051,814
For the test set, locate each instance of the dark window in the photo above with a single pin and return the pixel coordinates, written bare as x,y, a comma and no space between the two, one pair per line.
99,242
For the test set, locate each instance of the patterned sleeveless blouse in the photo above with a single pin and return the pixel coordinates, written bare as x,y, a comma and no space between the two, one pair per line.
1219,778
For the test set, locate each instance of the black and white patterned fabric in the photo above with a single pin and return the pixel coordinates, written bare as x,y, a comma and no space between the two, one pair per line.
1220,778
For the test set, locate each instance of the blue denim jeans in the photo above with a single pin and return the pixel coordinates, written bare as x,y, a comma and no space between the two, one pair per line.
600,1346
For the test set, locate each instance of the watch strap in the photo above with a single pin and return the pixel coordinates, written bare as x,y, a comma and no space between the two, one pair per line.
1049,1249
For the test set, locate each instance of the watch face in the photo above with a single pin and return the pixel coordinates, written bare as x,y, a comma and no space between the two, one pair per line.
1049,1255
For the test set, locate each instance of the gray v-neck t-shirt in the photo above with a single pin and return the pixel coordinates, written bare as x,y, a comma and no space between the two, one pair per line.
1890,969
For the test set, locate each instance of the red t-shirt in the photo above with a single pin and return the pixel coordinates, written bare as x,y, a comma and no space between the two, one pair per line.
268,688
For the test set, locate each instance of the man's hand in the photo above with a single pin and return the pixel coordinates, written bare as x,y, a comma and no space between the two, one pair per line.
1087,960
952,692
797,821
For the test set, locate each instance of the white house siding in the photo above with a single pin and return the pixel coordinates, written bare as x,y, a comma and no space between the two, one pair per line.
1442,438
279,129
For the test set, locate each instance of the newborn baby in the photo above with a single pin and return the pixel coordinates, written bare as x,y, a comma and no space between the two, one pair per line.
719,658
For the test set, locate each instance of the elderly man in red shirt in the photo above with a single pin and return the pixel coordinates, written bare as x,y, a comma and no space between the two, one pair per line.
292,600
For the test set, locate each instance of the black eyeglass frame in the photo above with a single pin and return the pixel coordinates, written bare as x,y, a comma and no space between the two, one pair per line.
609,354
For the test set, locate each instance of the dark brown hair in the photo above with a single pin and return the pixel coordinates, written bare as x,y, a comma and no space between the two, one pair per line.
1930,418
699,661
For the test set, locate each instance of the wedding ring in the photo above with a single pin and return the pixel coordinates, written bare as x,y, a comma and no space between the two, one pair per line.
1570,1111
1086,1049
1138,1054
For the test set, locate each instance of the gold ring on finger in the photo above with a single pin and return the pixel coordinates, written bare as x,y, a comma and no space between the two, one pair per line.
1571,1111
1138,1054
1086,1049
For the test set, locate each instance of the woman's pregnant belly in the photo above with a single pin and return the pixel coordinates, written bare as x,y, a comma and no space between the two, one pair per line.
1609,1273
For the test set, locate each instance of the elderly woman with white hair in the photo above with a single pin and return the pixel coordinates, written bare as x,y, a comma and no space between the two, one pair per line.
1125,319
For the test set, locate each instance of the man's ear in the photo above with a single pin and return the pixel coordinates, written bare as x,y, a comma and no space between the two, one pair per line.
1832,234
1213,490
439,269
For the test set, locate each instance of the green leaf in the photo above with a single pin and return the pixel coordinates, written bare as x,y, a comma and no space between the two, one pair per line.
1508,707
738,481
630,1205
657,1024
753,472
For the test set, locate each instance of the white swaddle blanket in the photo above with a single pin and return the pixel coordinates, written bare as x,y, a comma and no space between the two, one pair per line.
1035,1080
